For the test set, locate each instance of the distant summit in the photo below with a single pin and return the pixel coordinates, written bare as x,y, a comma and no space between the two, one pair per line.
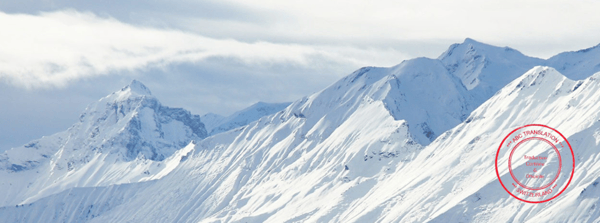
218,124
138,125
118,137
483,69
577,65
133,90
137,87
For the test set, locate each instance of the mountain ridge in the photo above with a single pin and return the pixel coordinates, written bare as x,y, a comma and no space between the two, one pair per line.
347,189
358,151
128,128
243,117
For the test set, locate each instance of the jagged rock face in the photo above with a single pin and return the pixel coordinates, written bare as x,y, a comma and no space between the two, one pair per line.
133,124
146,133
127,136
129,123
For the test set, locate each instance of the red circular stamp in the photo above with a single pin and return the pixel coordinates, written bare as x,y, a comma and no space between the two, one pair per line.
535,163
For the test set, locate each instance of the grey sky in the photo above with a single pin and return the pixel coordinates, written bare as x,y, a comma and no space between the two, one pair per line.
58,56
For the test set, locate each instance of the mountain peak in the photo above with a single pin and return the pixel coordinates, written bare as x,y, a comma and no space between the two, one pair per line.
135,124
137,87
544,78
472,41
539,73
484,46
476,47
478,66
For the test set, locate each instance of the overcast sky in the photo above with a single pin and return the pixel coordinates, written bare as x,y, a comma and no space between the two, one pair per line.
58,56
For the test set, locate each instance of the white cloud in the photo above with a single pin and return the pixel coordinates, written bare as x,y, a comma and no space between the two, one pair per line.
434,19
52,49
540,27
220,56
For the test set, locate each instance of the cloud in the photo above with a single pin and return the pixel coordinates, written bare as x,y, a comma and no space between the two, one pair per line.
434,19
540,28
53,49
55,63
57,56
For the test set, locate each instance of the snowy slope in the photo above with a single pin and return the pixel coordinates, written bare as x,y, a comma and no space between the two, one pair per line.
468,189
211,120
484,69
336,179
251,168
315,141
125,137
361,150
365,170
458,168
241,118
577,65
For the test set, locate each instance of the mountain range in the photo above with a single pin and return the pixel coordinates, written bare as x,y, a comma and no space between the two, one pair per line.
415,142
216,123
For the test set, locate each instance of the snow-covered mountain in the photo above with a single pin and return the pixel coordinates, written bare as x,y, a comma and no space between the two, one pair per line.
216,123
484,69
577,65
542,95
212,120
411,143
124,137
